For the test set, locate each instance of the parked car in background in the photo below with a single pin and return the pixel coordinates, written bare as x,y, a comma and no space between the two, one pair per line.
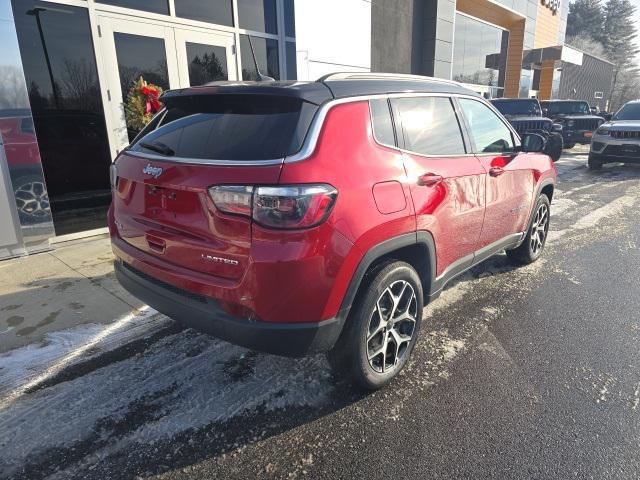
296,218
578,123
25,170
619,139
525,115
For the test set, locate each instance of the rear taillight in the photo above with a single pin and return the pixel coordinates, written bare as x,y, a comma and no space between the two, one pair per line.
289,206
232,199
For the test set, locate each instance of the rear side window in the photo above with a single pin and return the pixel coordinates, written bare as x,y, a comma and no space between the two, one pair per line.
488,131
430,126
382,123
230,127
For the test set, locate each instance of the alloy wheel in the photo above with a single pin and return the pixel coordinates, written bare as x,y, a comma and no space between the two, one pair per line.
391,327
539,229
32,199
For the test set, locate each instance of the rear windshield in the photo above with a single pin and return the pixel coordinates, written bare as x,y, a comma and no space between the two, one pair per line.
230,127
567,108
518,107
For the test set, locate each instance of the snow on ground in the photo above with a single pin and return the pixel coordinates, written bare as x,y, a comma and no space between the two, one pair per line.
184,381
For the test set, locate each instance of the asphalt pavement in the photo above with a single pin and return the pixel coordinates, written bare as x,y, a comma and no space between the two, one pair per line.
529,372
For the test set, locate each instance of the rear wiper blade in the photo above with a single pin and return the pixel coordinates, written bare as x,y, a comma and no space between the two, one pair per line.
159,148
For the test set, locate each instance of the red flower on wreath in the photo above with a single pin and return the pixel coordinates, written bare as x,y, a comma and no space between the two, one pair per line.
151,95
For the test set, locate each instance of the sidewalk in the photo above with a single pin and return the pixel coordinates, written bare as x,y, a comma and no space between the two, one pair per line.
58,290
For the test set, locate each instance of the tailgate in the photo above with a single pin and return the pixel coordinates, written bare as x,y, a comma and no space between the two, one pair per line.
163,208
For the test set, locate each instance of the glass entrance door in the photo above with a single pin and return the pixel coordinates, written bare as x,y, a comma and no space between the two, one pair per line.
204,57
163,55
133,50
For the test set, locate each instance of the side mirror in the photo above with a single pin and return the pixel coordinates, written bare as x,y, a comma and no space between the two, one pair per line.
607,116
533,142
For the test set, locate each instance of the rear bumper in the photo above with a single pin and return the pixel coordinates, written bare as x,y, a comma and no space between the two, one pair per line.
206,315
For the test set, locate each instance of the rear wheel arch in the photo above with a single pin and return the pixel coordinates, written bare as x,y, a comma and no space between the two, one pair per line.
548,190
416,248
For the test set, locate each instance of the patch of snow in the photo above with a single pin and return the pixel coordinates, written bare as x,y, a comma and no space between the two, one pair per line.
25,367
183,381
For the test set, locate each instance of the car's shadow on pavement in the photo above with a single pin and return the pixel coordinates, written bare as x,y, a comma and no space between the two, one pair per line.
143,394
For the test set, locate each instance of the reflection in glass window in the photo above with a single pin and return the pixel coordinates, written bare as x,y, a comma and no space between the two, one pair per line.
266,51
67,114
292,65
381,119
207,63
258,15
289,19
489,133
212,11
480,52
140,56
155,6
232,127
430,126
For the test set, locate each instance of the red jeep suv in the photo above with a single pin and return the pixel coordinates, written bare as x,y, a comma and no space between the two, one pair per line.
296,218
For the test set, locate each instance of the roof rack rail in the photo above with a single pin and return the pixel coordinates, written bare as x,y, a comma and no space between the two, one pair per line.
382,76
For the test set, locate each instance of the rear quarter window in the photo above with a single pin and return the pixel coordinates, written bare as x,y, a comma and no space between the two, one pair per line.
382,123
230,127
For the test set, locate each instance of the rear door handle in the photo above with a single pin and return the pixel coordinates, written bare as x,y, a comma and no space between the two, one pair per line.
429,179
496,171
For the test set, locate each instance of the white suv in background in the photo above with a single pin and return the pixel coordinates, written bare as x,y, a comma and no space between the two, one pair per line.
618,140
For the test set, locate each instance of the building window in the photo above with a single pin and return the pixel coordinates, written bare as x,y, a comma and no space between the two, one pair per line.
62,79
258,15
289,19
207,63
292,65
526,82
212,11
155,6
266,51
480,52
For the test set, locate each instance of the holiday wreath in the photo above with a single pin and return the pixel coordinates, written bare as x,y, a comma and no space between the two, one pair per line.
142,104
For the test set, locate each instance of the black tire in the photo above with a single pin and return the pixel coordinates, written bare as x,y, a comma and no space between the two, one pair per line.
594,163
555,146
533,244
360,352
569,146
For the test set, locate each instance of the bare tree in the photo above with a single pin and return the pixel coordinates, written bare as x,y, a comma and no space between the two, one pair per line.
586,43
13,92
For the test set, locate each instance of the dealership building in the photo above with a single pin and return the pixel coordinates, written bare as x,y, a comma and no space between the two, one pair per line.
67,68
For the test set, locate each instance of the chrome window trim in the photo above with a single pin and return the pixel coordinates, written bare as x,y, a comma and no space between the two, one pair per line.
311,140
205,161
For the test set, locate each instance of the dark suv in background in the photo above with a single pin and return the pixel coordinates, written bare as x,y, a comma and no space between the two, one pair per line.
525,115
578,124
